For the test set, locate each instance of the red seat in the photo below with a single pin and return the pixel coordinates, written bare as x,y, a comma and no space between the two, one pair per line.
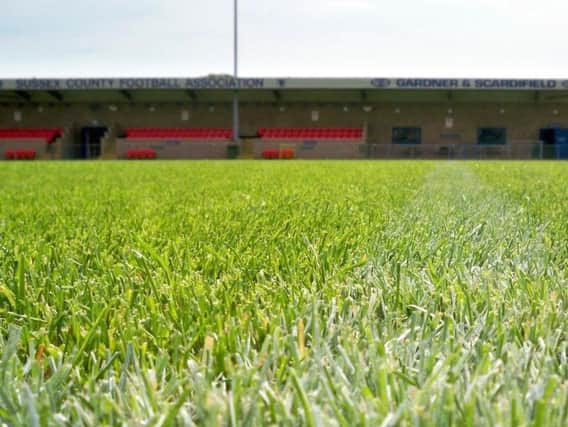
178,133
310,133
141,153
49,135
19,154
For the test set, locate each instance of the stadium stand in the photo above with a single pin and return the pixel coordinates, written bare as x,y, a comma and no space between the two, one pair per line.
178,133
49,135
315,118
310,133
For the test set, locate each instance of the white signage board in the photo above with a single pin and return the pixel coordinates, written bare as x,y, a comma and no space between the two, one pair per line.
229,83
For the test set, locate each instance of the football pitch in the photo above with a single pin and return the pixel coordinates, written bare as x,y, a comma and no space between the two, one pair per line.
284,293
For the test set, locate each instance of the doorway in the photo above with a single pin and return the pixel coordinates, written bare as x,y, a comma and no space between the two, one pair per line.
90,138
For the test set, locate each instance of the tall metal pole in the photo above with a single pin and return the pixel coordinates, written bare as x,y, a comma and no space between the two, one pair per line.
236,73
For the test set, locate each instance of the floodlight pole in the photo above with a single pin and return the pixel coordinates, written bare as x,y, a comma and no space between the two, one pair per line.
236,74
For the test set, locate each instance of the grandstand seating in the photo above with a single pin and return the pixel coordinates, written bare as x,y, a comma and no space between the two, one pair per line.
49,135
310,133
178,133
222,133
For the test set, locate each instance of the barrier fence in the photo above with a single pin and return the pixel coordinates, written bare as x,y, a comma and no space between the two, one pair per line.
535,150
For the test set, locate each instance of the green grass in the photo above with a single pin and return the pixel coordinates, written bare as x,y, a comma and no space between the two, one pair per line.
284,293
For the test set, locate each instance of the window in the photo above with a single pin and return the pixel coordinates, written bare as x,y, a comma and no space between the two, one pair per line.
491,136
406,135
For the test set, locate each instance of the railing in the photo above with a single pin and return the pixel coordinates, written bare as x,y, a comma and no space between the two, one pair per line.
524,150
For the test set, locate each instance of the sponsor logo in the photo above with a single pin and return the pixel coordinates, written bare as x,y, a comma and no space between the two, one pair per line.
380,82
427,83
514,84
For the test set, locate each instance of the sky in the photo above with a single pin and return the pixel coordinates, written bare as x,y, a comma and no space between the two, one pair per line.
284,38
